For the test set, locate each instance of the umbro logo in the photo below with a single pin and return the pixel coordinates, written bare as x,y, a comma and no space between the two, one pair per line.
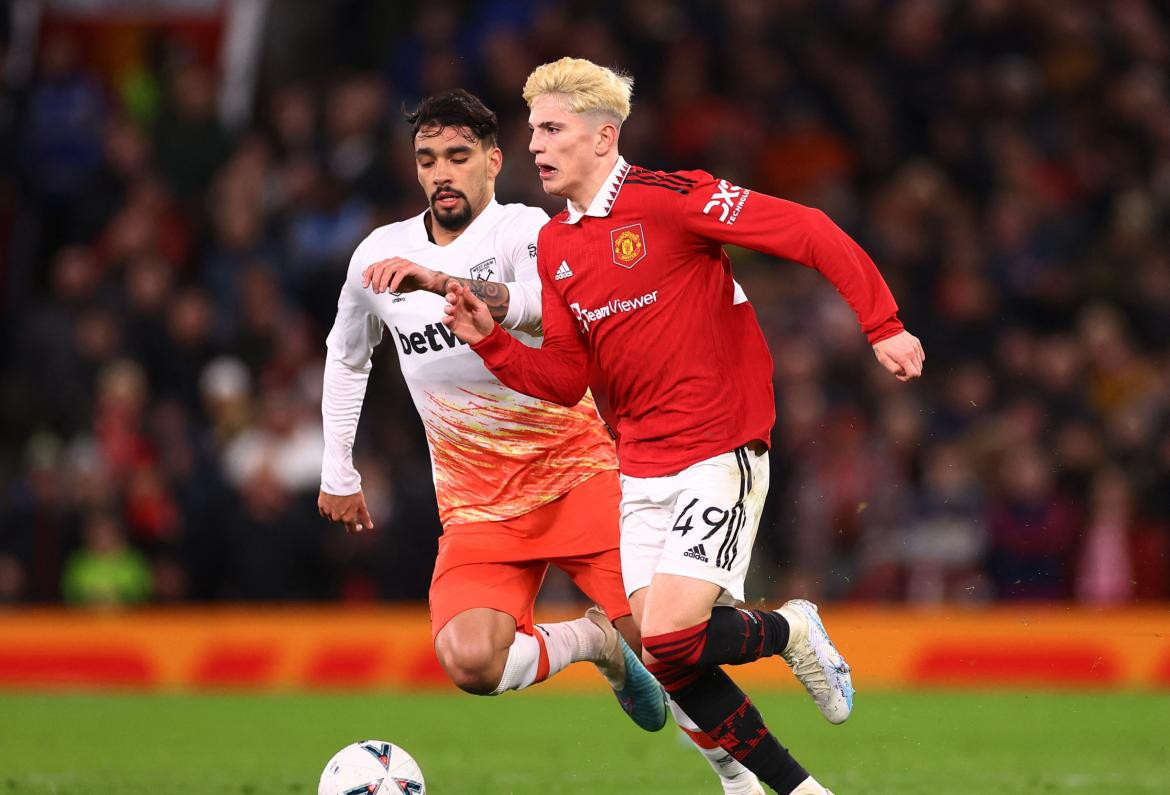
697,552
563,272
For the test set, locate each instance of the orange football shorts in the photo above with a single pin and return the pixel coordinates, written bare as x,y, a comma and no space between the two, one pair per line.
502,564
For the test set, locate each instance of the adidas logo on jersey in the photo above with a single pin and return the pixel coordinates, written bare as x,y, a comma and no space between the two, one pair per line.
697,552
563,272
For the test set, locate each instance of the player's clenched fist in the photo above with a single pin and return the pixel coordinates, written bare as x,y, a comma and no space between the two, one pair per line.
400,275
349,510
901,354
466,315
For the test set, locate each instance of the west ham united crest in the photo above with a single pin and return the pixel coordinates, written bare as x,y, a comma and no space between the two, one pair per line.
629,245
484,271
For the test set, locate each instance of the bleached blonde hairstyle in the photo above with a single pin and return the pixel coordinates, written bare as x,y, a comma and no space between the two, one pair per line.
585,86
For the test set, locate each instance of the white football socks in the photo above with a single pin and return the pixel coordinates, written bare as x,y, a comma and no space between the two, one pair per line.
735,778
570,642
564,642
522,665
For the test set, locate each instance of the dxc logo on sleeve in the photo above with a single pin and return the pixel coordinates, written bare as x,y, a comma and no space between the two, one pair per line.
728,200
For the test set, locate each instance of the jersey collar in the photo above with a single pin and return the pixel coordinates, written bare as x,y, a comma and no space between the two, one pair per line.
603,202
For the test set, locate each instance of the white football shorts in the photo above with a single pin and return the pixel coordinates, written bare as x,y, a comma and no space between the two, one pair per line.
699,523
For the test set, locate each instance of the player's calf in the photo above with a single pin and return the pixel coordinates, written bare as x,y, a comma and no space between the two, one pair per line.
734,778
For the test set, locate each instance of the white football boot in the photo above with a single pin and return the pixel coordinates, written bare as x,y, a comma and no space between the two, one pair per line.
744,783
756,787
816,662
810,786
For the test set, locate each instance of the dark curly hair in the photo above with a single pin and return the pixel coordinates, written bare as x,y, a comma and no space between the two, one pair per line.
456,108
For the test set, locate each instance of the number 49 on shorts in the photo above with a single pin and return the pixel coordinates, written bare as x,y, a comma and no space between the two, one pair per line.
710,521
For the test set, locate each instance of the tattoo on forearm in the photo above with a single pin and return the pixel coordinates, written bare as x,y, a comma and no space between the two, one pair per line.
494,294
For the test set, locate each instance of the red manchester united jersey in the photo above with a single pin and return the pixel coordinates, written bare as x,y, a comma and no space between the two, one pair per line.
640,283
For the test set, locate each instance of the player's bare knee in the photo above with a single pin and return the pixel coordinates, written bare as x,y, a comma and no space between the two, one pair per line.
477,682
680,610
656,628
659,624
474,665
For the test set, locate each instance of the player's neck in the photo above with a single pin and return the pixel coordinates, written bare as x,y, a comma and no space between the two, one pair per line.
438,234
592,184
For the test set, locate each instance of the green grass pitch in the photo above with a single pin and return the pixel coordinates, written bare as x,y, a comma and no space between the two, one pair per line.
933,743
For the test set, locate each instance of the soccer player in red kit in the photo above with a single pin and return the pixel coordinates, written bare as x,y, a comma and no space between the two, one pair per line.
635,279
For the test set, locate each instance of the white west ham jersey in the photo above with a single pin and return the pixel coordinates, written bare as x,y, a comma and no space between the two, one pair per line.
495,453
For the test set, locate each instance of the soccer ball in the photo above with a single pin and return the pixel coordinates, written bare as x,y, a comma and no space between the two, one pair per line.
372,767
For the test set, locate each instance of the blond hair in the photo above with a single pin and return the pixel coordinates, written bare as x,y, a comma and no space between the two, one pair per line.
585,86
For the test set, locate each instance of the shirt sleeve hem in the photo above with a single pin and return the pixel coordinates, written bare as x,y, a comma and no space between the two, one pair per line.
494,346
886,329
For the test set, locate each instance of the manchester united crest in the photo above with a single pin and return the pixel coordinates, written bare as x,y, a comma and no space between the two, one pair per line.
629,245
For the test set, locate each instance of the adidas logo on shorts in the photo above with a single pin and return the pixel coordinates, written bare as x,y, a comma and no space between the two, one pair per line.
697,552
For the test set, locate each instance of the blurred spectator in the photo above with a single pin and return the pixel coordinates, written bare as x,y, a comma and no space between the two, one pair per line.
275,468
947,536
281,455
106,571
13,580
225,389
63,124
122,395
189,141
1033,530
37,521
1151,539
324,224
1105,574
128,159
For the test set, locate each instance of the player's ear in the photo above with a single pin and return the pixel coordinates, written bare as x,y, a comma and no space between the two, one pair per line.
607,136
495,160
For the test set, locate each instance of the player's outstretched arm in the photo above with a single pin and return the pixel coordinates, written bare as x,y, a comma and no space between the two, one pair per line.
348,510
400,275
718,211
348,361
557,371
901,354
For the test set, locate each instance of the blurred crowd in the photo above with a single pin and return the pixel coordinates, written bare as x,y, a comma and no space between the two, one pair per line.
167,280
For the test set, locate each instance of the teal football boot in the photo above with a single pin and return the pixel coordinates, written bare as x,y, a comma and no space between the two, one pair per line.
638,692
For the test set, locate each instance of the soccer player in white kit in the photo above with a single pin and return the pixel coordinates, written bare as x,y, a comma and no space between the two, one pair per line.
505,465
520,483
